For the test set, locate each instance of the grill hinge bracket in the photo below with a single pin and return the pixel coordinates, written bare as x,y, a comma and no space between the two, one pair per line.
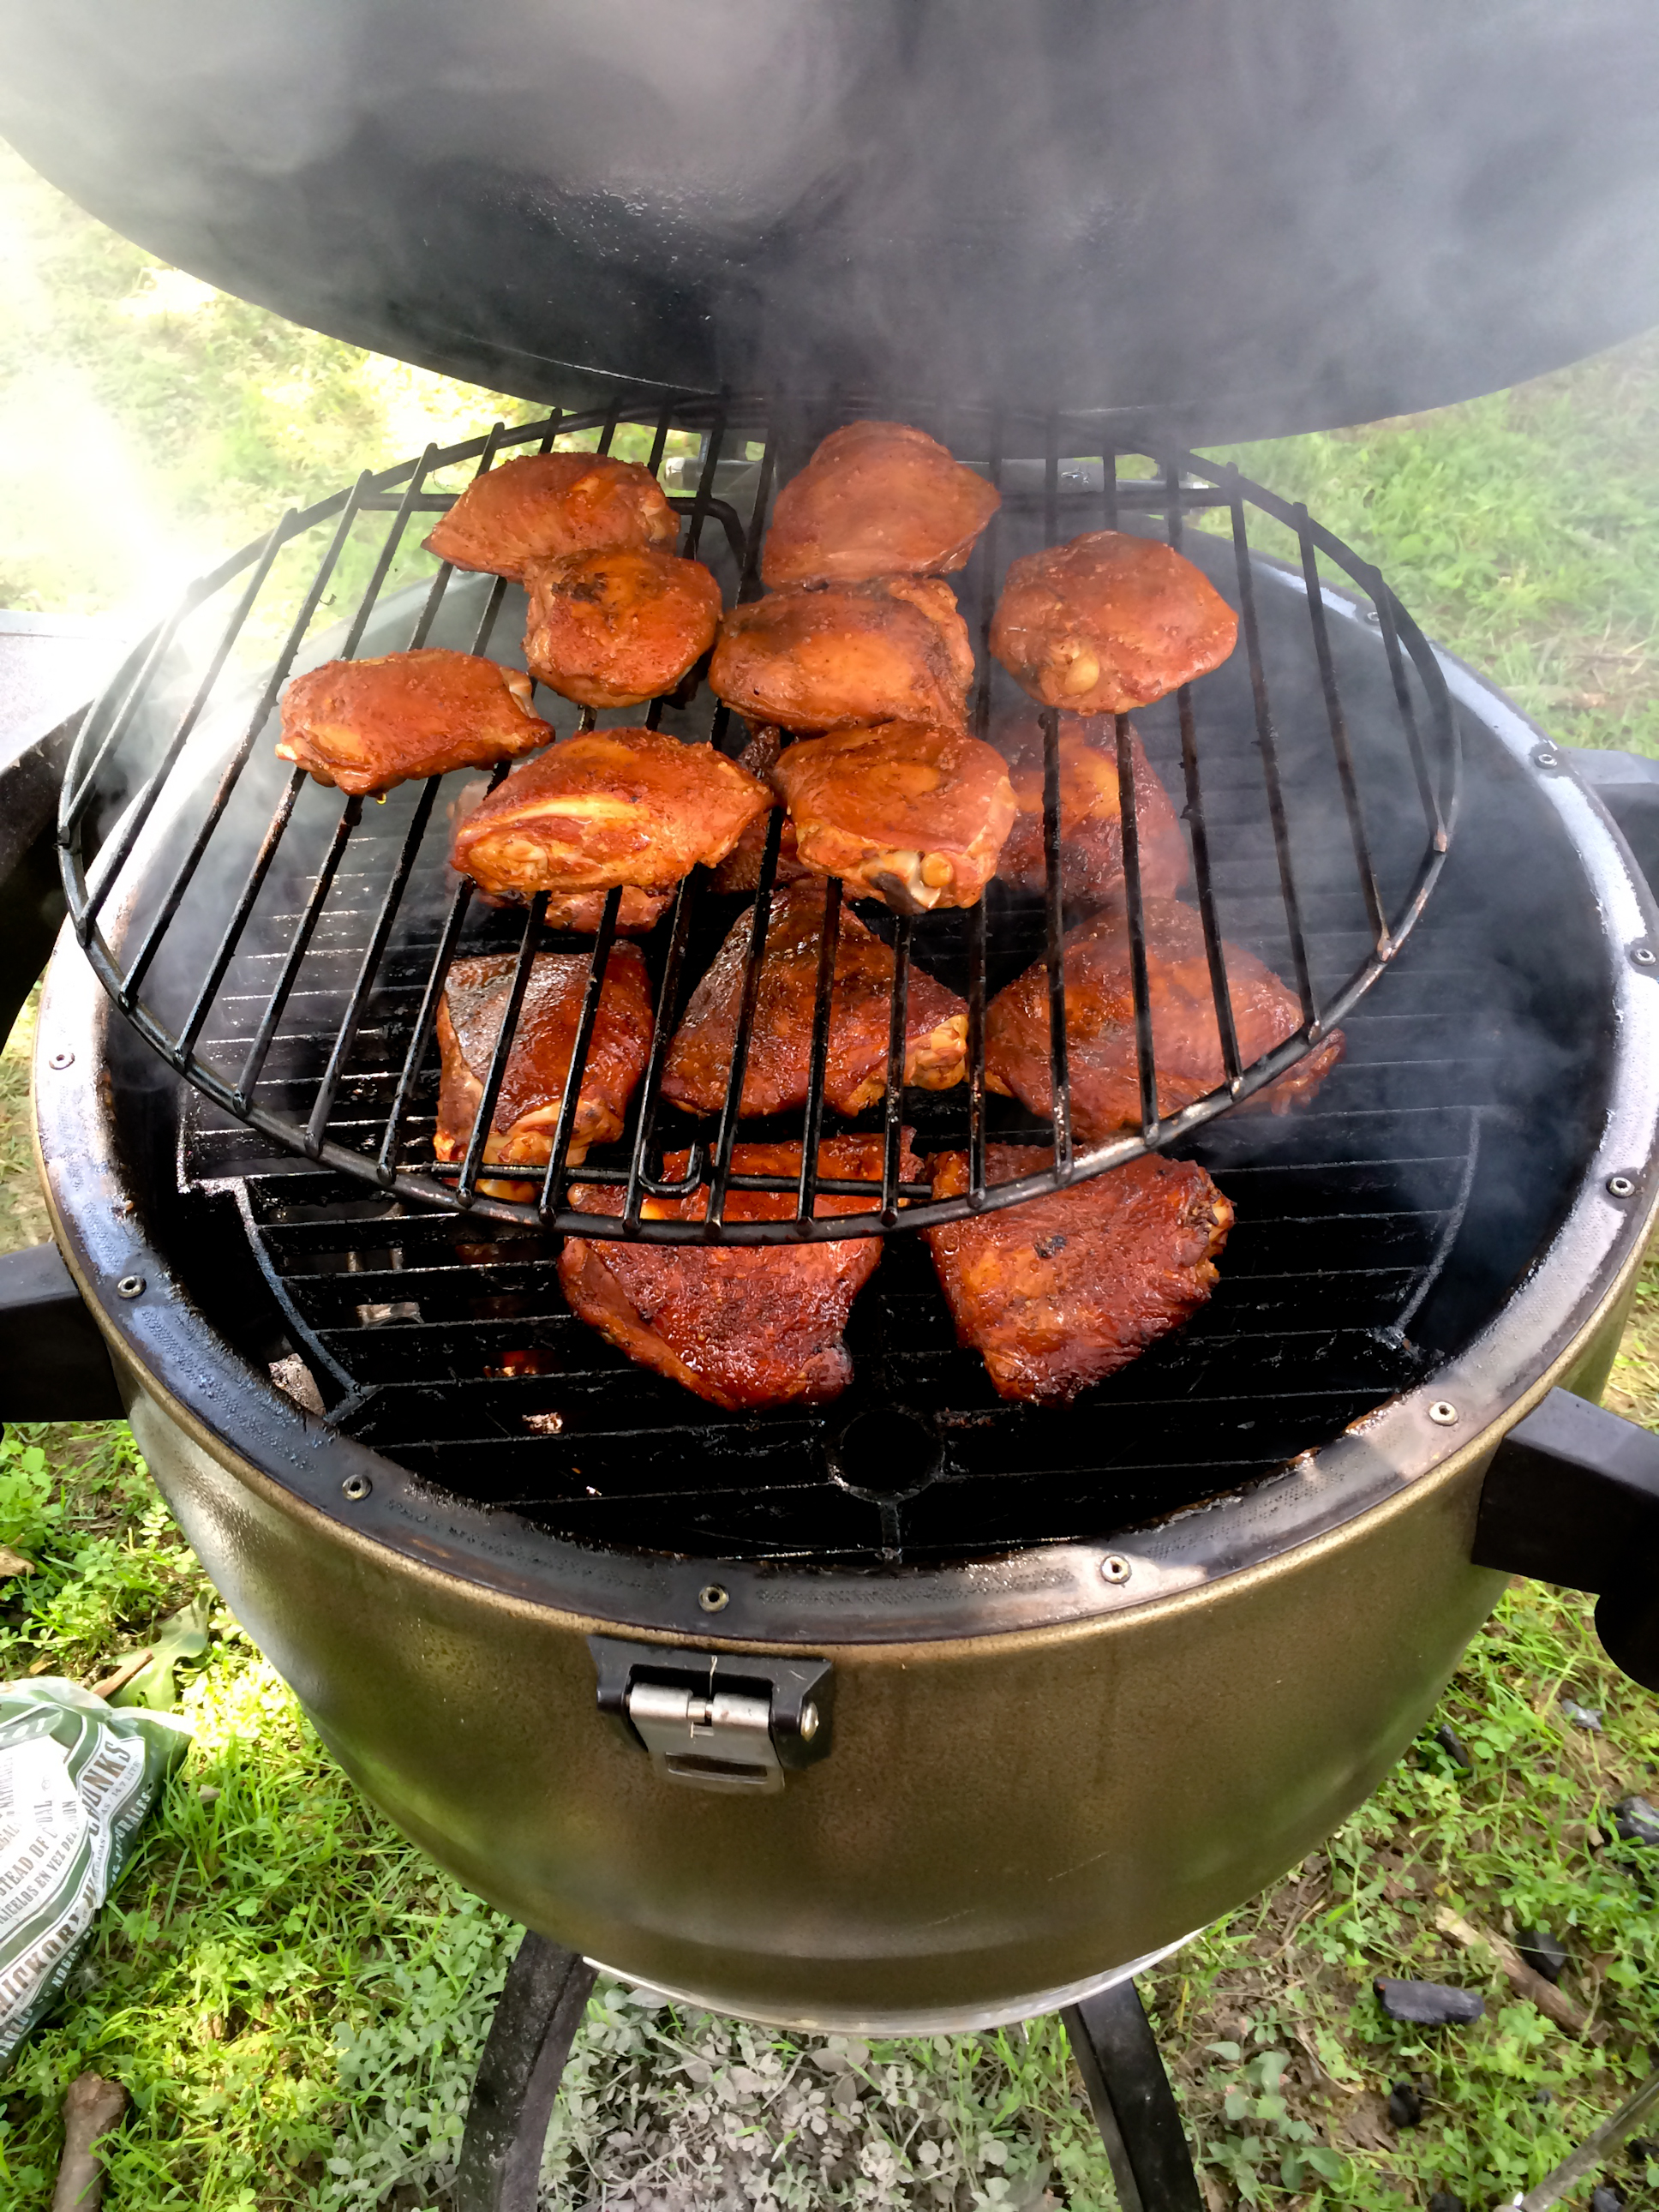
716,1720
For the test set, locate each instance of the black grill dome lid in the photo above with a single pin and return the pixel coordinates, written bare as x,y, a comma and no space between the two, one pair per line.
1217,218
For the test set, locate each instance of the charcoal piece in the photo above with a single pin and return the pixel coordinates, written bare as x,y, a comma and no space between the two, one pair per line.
1587,1717
1429,2004
1542,1951
1443,2201
1452,1744
1405,2105
1635,1821
1605,2200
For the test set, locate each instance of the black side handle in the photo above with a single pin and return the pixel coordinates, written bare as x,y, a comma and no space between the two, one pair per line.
54,1365
1573,1497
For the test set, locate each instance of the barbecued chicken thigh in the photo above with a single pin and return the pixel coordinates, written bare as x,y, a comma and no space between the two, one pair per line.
366,725
1104,1086
916,812
1090,814
543,505
775,1073
1107,622
741,1325
877,499
1059,1291
820,657
470,1016
740,871
620,626
609,806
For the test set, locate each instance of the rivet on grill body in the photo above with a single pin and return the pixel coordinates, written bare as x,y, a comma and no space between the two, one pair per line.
1115,1568
712,1598
1644,956
809,1721
1443,1412
61,1059
1620,1185
1545,757
355,1487
130,1286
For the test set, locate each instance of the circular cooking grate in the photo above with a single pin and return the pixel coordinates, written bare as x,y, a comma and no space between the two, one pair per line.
285,950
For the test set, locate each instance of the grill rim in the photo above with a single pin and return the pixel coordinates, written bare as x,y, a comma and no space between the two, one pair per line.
1534,1341
1435,756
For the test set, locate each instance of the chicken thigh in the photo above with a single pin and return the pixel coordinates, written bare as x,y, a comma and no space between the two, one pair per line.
366,725
615,628
543,505
1090,814
877,499
775,1073
1109,622
819,657
742,1325
1059,1291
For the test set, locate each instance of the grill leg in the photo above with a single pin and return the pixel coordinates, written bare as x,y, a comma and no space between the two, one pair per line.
506,2122
1134,2106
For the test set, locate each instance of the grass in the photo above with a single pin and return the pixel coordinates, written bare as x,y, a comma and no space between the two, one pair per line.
296,2000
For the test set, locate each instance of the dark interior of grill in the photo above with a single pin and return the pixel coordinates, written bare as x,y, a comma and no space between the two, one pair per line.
1377,1229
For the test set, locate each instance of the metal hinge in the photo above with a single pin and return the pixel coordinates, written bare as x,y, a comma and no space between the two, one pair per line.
711,1720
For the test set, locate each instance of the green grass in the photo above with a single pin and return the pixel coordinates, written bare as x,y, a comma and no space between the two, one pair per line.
295,1999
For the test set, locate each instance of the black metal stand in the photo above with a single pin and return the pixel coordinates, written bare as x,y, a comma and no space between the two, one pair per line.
541,2009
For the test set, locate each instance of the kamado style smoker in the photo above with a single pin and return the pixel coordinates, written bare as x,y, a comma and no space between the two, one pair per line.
914,1706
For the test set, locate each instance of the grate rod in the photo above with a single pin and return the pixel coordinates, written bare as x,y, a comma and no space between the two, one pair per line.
1346,773
893,1104
732,1109
1055,942
565,1128
225,950
350,815
440,585
437,976
812,1120
466,1187
1385,603
976,1050
370,968
1215,950
1108,489
704,501
1267,742
388,554
661,1038
1129,803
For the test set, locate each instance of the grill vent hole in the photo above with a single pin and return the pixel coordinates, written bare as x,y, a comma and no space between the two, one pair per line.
885,1454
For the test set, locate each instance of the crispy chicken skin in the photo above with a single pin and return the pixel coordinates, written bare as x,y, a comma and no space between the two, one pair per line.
365,725
617,626
609,806
469,1014
543,505
1100,1024
1090,814
913,811
1059,1291
819,657
741,1325
1109,622
776,1074
877,499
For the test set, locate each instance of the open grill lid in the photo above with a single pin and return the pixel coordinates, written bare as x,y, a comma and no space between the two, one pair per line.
1222,220
287,950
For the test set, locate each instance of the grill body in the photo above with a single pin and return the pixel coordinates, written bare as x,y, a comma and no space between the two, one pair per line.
1038,1773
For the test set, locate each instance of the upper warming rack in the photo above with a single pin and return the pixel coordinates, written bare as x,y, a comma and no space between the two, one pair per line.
286,949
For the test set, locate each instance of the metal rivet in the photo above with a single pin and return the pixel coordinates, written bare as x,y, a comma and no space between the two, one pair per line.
130,1286
809,1721
356,1486
1644,956
712,1598
61,1059
1115,1568
1620,1187
1443,1411
1545,757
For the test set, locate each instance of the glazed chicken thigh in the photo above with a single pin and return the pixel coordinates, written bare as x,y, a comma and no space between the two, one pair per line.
741,1325
543,505
1090,814
1109,622
470,1016
913,811
775,1073
818,658
615,628
877,499
366,725
607,807
1100,1024
1059,1291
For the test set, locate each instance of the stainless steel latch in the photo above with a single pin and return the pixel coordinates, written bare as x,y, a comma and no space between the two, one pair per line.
723,1721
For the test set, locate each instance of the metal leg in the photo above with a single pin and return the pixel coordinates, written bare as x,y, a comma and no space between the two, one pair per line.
1134,2105
530,2038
